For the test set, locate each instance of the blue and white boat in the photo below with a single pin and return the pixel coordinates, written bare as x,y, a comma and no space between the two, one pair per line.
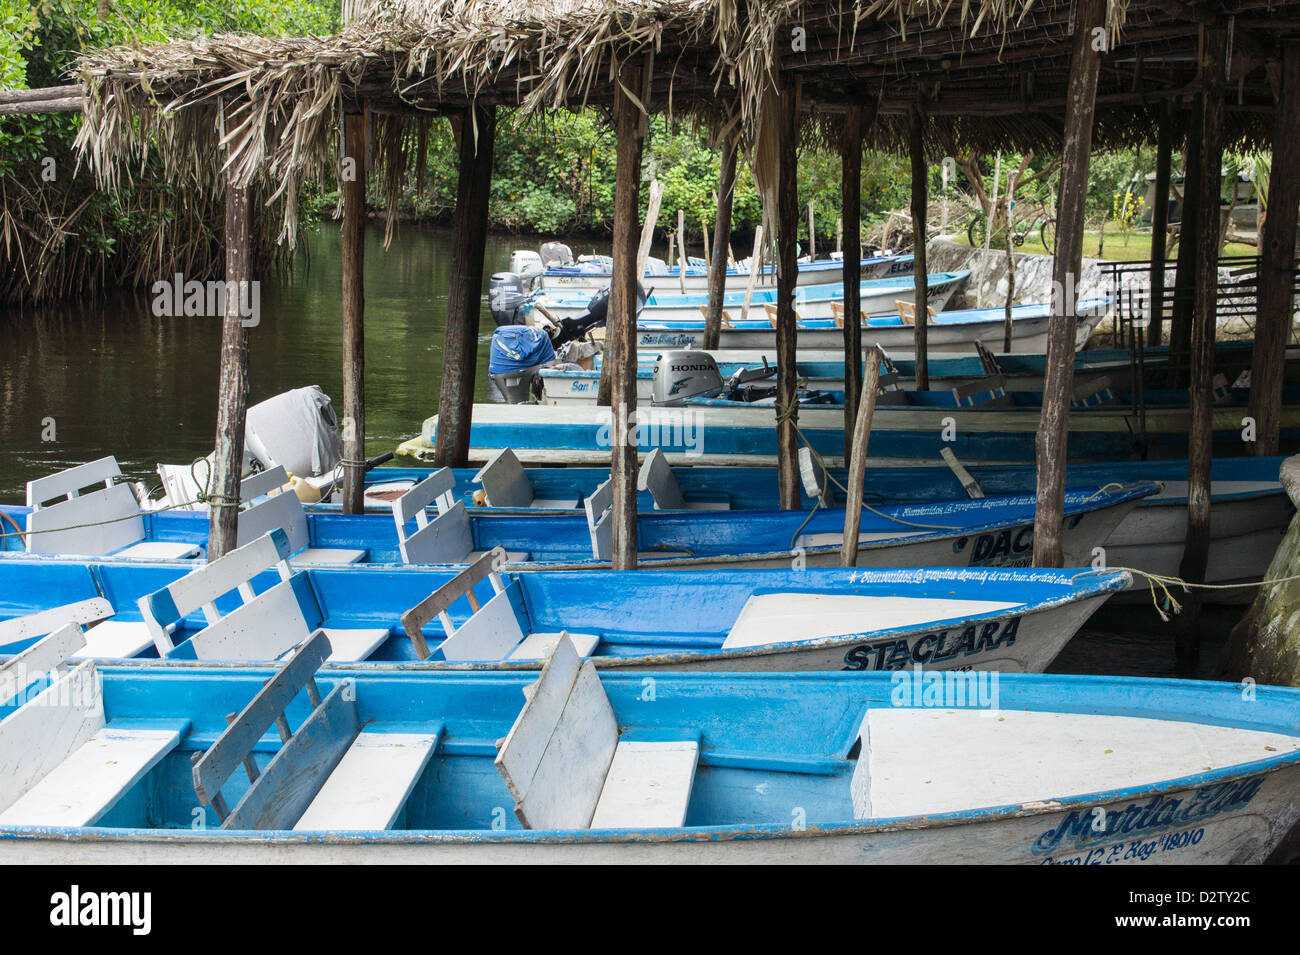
578,765
908,427
1012,619
593,272
994,531
664,307
948,330
824,371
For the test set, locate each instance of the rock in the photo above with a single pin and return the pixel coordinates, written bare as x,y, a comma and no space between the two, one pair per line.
1265,645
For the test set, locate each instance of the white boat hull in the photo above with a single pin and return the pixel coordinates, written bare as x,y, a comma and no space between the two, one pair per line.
737,281
1230,821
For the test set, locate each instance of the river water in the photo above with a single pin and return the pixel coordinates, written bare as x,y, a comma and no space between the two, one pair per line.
111,378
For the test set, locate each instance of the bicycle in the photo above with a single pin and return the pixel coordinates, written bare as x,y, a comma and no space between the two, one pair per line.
1037,219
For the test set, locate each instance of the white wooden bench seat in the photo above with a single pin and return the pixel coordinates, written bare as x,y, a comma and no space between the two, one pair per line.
656,476
104,639
371,783
103,522
329,774
268,506
265,626
61,762
505,484
493,630
448,538
566,767
599,507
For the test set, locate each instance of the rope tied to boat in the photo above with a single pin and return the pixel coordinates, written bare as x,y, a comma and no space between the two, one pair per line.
828,478
1165,581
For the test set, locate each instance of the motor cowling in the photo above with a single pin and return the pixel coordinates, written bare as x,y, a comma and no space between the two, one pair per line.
679,375
506,298
518,353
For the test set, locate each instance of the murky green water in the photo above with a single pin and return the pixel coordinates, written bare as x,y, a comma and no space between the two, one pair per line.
111,378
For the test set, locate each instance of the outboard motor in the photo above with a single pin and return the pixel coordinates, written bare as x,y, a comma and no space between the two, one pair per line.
518,353
526,263
679,375
596,315
297,429
555,255
506,298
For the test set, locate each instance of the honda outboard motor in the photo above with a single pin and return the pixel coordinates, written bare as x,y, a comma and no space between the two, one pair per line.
679,375
506,298
518,353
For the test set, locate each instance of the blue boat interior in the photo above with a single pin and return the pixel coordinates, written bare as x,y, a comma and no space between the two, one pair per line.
567,538
657,612
774,750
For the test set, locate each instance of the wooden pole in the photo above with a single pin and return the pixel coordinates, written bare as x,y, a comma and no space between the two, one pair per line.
858,459
1011,268
1180,323
721,229
812,233
465,287
648,227
1160,225
620,336
851,214
1058,383
920,191
232,388
354,304
787,331
753,271
1200,450
1274,301
681,249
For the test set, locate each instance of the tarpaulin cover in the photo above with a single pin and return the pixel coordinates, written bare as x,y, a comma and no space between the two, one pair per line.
515,347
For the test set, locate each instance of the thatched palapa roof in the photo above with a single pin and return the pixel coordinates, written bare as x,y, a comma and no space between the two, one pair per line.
991,74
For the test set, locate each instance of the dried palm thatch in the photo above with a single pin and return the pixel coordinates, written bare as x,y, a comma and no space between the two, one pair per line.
249,109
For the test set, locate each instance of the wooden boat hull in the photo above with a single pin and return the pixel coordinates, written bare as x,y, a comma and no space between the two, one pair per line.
984,619
732,435
952,331
820,272
995,532
1231,814
812,302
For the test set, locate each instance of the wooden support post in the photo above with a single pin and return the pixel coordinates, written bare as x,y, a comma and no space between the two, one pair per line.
851,215
1275,300
232,388
620,335
354,305
465,287
920,196
812,233
1058,384
1009,304
1160,225
858,460
1200,441
681,249
787,327
1180,324
754,267
721,230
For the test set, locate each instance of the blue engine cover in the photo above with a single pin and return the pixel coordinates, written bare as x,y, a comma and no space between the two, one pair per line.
515,347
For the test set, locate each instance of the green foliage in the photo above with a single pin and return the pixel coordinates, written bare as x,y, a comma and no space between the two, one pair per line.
74,238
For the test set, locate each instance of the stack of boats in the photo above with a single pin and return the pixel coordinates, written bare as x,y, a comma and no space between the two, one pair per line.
456,673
